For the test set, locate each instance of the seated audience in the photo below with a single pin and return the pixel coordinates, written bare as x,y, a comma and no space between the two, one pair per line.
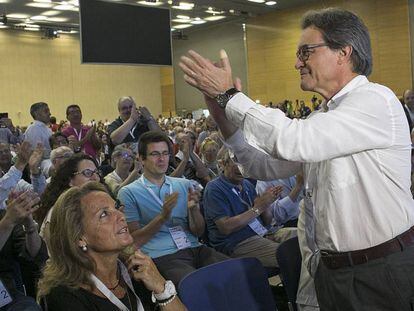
163,214
285,210
237,218
208,151
8,133
57,140
82,137
123,159
89,231
194,168
38,131
11,175
19,244
75,171
57,157
210,126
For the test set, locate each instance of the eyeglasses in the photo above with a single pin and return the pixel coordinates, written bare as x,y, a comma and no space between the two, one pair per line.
88,173
305,51
157,154
126,155
125,108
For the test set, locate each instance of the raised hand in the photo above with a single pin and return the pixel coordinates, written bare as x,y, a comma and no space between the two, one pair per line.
142,268
21,206
145,112
169,203
202,74
35,159
264,201
23,155
193,198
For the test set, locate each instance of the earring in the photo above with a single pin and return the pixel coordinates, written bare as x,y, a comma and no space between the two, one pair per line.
84,248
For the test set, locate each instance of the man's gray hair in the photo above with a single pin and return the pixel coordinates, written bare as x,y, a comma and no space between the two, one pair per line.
35,108
342,28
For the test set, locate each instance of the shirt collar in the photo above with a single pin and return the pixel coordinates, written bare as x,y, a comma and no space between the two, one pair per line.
167,181
351,85
37,122
228,183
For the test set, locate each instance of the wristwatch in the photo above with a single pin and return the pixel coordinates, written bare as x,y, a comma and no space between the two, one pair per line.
223,99
169,291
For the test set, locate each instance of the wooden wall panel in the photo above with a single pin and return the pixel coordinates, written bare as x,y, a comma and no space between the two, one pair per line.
272,41
167,91
50,71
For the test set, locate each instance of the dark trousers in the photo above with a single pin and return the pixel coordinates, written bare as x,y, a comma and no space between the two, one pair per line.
384,284
176,266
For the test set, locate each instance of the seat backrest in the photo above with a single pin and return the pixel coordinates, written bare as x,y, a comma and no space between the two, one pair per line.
235,284
289,259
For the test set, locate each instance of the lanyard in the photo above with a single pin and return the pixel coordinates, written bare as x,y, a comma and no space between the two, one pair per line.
110,295
131,132
155,197
78,134
236,192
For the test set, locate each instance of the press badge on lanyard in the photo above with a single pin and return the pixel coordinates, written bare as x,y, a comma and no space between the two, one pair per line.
177,233
5,297
180,237
254,224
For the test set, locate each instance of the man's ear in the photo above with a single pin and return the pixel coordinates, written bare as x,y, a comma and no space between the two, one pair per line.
345,54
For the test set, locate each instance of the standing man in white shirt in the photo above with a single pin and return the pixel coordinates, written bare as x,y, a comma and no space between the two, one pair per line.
355,155
39,131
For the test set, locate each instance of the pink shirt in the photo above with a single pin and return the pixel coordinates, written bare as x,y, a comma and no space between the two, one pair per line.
87,147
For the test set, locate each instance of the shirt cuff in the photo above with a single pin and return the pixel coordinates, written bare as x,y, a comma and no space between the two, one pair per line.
237,108
15,172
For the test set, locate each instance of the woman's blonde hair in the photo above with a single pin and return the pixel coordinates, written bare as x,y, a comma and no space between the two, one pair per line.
68,265
207,142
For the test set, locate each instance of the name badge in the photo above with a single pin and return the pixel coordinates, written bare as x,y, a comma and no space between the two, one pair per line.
179,237
257,227
5,297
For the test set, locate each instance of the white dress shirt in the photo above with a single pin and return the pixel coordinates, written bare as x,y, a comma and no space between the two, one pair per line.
357,161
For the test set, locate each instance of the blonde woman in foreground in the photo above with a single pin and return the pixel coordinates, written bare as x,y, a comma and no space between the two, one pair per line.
87,234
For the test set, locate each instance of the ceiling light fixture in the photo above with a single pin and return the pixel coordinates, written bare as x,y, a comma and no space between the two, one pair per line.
198,21
64,6
182,26
18,16
150,3
186,6
58,19
177,20
257,1
38,18
211,10
40,4
51,13
271,3
214,18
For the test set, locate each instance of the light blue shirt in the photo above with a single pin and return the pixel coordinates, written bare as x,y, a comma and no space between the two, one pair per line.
39,132
283,209
141,206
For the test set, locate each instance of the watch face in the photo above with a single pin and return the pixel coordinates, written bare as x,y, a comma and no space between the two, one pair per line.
222,100
170,288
